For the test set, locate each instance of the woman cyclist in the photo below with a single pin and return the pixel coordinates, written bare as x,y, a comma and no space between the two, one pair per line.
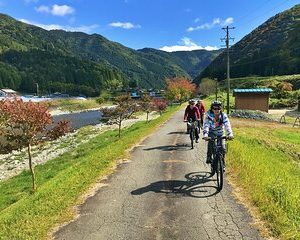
214,125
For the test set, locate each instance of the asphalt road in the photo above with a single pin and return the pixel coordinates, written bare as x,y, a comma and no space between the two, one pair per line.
163,192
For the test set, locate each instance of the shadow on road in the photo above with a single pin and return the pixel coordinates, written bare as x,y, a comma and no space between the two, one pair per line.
181,133
179,147
193,186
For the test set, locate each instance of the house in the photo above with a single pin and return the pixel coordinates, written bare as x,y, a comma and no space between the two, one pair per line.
252,99
6,92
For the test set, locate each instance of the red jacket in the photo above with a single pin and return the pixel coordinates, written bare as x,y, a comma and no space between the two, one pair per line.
201,108
191,113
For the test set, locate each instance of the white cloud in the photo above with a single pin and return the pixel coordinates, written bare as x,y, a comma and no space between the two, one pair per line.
215,22
227,21
125,25
197,20
86,29
42,9
56,10
186,45
61,10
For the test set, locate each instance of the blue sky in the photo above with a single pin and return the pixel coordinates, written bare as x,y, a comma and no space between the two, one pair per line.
163,24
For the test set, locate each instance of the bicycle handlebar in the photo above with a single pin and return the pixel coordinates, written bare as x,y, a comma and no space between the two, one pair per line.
213,138
191,121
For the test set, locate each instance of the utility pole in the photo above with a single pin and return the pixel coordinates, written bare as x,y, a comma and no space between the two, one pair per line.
216,81
37,89
227,39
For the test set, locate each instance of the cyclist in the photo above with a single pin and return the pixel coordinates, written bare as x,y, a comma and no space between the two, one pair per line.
201,108
214,124
192,112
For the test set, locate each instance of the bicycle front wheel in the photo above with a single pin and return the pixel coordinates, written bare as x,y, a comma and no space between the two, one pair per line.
192,137
220,172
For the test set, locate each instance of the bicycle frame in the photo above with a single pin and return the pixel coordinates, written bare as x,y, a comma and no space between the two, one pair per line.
218,160
192,126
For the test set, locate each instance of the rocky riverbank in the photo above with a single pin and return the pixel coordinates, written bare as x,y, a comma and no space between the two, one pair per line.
17,161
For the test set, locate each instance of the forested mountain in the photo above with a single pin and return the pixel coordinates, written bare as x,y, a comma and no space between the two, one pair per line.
271,49
30,55
193,62
76,62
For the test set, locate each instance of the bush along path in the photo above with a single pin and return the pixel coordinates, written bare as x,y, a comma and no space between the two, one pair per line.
63,180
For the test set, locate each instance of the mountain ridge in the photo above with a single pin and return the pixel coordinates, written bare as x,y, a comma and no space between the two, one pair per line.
147,69
273,48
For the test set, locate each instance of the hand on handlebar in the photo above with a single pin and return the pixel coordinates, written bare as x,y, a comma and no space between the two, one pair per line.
230,138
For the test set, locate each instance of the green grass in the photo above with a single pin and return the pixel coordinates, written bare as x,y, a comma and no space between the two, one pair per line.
290,137
256,81
75,104
261,163
62,181
222,97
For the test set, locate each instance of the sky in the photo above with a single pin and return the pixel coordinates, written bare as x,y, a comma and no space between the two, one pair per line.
169,25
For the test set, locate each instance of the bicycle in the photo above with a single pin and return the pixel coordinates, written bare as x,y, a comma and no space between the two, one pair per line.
192,128
218,157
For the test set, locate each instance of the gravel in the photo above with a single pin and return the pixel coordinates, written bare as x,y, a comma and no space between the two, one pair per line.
14,163
251,114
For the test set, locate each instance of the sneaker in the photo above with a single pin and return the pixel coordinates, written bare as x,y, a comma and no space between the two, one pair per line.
197,140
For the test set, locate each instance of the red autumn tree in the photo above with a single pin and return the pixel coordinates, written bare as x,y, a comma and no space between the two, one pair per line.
146,105
24,125
179,89
125,108
61,128
160,105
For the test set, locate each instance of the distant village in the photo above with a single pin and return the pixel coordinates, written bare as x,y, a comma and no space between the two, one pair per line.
135,94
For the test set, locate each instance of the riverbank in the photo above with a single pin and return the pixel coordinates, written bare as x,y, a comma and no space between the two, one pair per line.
14,163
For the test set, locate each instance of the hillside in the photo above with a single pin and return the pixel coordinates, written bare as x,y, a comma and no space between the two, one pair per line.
271,49
76,62
192,62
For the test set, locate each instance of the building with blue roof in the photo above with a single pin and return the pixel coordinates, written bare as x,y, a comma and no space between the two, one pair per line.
252,99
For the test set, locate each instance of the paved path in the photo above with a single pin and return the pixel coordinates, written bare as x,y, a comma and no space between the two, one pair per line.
164,192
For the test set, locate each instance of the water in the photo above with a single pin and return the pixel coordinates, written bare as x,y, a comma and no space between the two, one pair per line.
80,119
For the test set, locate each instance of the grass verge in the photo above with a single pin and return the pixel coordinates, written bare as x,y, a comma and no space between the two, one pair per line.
62,181
75,104
264,162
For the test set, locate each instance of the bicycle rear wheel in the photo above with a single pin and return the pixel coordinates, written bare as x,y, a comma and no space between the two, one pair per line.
219,172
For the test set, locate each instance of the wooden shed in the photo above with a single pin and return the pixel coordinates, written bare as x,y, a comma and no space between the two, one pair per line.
7,92
252,99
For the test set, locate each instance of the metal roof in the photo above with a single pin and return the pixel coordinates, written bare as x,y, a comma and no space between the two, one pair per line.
7,90
253,90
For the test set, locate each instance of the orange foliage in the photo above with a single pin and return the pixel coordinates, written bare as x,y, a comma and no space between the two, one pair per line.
180,89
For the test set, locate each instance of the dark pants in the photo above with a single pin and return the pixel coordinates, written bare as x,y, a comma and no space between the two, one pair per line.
201,120
196,129
210,146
